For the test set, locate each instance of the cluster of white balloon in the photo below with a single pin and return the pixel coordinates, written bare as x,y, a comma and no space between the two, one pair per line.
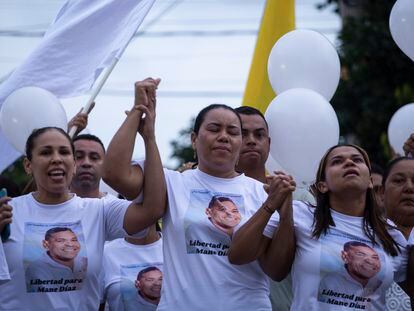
29,108
401,27
302,122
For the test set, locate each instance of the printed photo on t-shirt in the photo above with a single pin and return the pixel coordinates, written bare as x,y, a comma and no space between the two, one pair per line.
54,257
141,286
351,271
210,221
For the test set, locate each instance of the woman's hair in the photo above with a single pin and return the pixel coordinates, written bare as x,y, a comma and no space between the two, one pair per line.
202,115
30,143
374,224
390,166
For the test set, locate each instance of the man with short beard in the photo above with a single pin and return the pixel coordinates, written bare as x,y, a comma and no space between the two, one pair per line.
89,157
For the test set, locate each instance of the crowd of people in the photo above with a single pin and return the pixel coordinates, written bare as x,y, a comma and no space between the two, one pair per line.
233,236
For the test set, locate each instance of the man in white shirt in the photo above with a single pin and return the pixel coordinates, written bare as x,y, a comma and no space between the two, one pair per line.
89,156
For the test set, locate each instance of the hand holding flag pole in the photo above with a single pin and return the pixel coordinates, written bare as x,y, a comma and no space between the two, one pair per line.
91,102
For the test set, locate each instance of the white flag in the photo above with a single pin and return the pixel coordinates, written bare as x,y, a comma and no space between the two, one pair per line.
84,39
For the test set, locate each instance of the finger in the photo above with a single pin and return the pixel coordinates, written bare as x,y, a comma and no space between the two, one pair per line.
4,200
143,109
140,96
6,214
6,207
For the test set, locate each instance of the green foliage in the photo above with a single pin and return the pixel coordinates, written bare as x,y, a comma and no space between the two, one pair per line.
377,78
16,173
182,150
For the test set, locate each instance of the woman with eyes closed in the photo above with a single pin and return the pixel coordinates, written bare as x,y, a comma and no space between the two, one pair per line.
53,220
347,254
197,274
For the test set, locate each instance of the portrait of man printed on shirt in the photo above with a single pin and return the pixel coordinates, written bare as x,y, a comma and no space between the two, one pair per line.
148,290
211,220
357,281
59,268
223,214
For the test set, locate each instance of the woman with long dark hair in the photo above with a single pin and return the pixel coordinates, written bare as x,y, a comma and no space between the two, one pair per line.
347,254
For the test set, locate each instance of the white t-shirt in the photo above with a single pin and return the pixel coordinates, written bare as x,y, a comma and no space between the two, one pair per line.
77,231
121,264
197,273
325,271
411,238
4,268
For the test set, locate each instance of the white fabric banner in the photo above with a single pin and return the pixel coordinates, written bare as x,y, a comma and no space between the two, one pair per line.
85,38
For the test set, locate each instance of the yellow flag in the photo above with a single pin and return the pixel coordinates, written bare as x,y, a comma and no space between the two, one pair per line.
278,19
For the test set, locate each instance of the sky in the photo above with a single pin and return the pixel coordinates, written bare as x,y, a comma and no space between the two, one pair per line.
201,49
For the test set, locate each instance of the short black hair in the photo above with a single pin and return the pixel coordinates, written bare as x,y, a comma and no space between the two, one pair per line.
350,244
90,137
250,111
54,230
148,269
216,198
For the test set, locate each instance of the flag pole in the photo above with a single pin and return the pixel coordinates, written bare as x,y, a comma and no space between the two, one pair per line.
95,93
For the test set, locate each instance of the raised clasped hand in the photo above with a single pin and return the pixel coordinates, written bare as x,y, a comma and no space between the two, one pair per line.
278,187
145,103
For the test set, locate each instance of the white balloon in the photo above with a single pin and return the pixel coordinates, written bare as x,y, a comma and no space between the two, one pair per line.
302,126
402,26
401,127
304,59
27,109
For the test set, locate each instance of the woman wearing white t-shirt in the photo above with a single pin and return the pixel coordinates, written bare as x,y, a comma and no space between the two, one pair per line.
398,199
197,274
62,233
347,255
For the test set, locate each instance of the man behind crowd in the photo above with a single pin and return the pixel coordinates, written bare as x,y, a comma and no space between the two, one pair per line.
256,143
253,155
89,157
